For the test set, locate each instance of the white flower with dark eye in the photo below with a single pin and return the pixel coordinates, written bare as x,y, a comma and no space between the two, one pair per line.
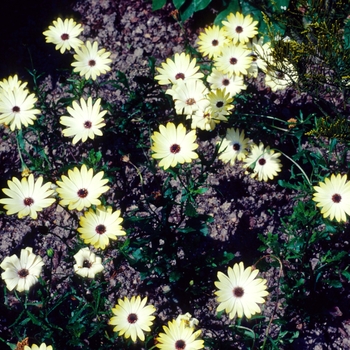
22,273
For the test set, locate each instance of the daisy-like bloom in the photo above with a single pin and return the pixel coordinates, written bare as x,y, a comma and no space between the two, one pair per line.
333,196
172,145
262,57
178,335
90,61
205,120
282,77
12,83
239,292
233,147
181,68
240,28
189,96
81,188
264,162
27,197
212,40
232,84
132,317
42,346
87,263
64,34
187,318
22,273
85,121
17,108
98,227
220,103
234,60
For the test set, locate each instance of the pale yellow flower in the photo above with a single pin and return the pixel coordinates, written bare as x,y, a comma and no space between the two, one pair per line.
132,318
90,61
212,40
87,263
85,120
81,188
27,197
233,147
180,68
22,273
98,227
64,34
43,346
240,28
17,107
264,162
179,335
333,197
173,145
239,292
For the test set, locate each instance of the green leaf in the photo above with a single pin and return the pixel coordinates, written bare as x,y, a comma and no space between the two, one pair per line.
178,3
190,210
346,274
188,12
201,4
233,7
158,4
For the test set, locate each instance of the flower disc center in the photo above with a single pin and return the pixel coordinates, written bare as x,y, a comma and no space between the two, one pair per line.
233,60
180,76
28,201
262,161
215,42
23,273
83,192
175,148
219,104
132,318
16,109
236,146
87,264
65,36
180,344
239,29
190,101
226,82
238,292
100,229
92,63
87,124
336,198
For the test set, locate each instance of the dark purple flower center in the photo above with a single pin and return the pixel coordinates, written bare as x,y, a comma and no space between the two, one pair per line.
16,109
87,264
233,60
219,104
215,42
225,82
65,36
238,292
262,161
175,148
100,229
336,198
28,201
83,192
180,345
239,29
236,146
92,63
87,124
132,318
23,273
180,76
